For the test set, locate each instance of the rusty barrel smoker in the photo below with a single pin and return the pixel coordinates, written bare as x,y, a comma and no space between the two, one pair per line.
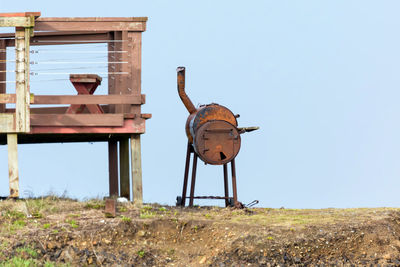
214,137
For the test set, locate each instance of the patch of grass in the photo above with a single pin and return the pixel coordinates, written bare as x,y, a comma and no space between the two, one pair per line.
208,216
20,262
125,219
146,215
97,205
28,250
19,223
122,209
162,209
17,261
141,253
146,212
147,208
73,223
46,226
12,214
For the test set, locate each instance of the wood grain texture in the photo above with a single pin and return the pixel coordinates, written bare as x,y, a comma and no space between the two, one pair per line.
124,168
76,99
113,167
130,126
12,143
3,74
92,25
136,168
77,119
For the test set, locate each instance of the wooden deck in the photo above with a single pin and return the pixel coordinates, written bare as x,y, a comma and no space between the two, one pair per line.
85,116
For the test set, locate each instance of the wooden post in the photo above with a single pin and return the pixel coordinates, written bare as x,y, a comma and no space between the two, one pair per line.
113,167
3,68
22,117
124,168
136,166
12,142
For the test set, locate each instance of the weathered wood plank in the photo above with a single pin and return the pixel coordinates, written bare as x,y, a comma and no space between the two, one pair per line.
130,126
136,168
113,167
21,107
21,14
93,19
3,68
135,57
85,78
76,99
124,168
12,142
17,21
7,123
79,25
77,119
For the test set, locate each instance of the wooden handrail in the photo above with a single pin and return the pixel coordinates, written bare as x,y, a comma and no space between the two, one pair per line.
77,99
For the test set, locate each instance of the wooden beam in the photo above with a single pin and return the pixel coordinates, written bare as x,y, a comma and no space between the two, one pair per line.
136,168
77,99
17,21
77,119
113,167
3,68
12,142
130,126
21,14
88,24
124,168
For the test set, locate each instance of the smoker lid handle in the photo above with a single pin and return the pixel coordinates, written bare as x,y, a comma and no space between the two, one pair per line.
247,129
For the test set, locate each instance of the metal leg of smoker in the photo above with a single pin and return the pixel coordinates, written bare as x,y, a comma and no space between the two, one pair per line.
193,179
186,176
234,182
226,185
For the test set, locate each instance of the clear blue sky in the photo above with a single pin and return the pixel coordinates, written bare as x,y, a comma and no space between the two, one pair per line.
320,78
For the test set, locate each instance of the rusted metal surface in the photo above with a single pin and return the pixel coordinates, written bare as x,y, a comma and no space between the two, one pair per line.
214,137
181,91
217,142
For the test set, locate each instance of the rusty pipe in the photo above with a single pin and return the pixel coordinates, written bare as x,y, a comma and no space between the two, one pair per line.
181,90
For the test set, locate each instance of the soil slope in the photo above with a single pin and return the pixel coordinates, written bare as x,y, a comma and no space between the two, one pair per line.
61,232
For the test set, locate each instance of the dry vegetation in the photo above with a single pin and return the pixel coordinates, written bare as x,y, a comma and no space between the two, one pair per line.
52,231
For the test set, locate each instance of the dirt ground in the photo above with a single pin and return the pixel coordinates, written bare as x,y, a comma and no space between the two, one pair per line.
61,232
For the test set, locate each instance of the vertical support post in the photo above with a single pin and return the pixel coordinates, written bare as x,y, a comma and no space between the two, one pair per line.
226,185
136,166
235,201
22,117
186,175
124,167
112,57
113,167
193,183
12,143
134,57
122,84
3,68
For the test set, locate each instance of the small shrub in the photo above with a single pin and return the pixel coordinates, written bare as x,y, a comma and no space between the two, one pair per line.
141,253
